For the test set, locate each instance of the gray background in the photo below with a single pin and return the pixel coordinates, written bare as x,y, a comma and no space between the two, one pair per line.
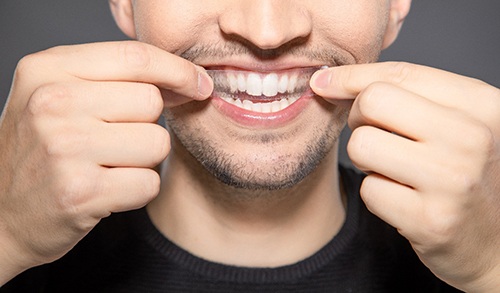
462,36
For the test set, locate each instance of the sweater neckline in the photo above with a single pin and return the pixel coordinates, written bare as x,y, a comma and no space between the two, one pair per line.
174,254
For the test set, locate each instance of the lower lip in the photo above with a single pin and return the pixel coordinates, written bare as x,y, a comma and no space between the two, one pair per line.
251,119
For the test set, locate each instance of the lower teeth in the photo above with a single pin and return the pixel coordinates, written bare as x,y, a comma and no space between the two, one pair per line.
262,92
270,107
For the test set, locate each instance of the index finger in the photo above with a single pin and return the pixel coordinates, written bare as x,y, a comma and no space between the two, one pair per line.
130,61
445,88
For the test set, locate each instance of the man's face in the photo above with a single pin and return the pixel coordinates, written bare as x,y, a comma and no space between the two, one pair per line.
276,40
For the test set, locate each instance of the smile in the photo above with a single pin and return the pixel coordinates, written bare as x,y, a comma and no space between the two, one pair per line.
261,92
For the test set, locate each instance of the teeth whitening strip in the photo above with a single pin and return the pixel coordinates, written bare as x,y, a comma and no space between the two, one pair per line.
262,92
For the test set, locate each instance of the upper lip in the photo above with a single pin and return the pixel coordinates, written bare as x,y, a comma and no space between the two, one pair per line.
261,66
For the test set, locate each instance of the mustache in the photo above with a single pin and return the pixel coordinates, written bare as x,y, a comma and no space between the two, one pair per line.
331,56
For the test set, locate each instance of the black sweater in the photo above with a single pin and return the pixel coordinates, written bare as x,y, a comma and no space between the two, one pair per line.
126,253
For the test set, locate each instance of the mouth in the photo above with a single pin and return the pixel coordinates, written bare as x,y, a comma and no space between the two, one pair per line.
262,100
262,93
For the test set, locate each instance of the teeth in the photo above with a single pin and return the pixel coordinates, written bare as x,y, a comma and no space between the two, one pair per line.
283,84
256,85
271,107
242,83
233,83
247,105
270,85
292,83
277,91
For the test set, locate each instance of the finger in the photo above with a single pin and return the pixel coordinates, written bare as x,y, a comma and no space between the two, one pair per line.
127,101
172,99
124,189
130,61
129,145
396,204
445,88
377,151
106,101
397,110
123,101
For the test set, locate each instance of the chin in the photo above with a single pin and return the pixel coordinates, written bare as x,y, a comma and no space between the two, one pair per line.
259,172
244,158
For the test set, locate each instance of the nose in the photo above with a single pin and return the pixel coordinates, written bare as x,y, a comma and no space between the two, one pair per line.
267,24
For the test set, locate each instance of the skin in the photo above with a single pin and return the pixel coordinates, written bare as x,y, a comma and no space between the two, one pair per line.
275,207
449,208
79,143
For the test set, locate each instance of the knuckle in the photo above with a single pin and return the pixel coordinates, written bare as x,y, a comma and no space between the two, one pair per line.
463,182
399,72
73,193
343,78
484,140
154,101
27,65
369,101
490,104
151,186
358,145
458,178
49,99
495,94
160,145
368,190
354,144
480,144
65,143
185,77
442,225
33,64
136,55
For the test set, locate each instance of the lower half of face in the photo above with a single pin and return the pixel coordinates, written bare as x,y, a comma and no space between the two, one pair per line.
262,128
255,151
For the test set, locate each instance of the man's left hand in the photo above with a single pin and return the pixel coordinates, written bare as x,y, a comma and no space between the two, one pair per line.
429,141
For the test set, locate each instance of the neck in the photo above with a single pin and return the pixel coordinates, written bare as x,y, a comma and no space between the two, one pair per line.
248,228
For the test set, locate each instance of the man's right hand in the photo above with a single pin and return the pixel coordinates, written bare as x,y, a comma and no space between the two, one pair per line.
78,141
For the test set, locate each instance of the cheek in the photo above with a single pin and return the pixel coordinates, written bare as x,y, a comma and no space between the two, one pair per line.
171,25
356,26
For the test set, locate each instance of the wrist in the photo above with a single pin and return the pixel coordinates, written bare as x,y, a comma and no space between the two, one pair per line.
489,282
10,264
8,267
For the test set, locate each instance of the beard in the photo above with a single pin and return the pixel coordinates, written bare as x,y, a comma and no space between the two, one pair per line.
256,169
260,169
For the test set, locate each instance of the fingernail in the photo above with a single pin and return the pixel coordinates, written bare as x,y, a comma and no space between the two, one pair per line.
321,79
205,86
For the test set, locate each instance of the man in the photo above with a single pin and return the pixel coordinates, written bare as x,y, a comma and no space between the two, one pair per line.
250,197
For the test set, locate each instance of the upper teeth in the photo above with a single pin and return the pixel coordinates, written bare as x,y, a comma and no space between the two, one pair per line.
261,92
268,85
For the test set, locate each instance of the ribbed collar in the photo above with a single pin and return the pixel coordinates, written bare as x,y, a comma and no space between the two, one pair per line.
225,273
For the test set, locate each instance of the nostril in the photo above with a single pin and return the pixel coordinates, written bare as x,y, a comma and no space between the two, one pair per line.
267,25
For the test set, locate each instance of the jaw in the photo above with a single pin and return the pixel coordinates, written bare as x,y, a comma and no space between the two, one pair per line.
255,186
257,153
255,223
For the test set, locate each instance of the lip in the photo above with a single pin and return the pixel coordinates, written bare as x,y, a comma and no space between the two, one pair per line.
259,68
255,120
251,63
